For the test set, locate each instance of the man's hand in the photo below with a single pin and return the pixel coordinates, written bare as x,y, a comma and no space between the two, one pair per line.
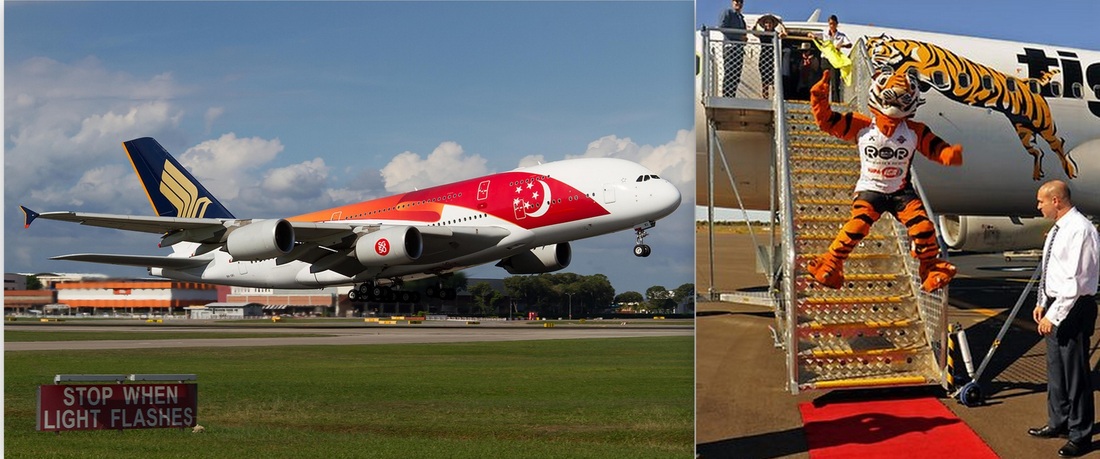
821,88
1037,314
1045,326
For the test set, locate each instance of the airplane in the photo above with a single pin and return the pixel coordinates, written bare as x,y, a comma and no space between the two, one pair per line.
1012,105
522,219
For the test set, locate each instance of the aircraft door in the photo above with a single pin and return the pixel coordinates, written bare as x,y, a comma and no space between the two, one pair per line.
608,193
483,190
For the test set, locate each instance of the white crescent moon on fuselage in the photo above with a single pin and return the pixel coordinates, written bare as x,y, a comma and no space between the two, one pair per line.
542,209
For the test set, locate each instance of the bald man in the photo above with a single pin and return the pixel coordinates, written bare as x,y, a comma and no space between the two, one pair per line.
1066,314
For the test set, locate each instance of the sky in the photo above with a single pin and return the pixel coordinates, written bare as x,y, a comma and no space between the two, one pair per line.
1070,23
287,107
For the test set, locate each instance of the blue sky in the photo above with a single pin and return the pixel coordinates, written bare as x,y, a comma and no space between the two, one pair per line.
1065,22
281,108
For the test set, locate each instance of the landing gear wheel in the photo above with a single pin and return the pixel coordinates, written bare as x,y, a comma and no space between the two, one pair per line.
380,292
404,296
353,295
971,394
639,250
364,290
432,292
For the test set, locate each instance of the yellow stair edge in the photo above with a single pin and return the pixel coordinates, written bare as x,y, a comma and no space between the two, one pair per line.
854,300
869,382
814,326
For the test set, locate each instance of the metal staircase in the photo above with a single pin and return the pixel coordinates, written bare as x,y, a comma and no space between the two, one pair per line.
879,329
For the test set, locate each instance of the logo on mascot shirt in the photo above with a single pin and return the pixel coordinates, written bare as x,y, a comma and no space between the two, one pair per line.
382,247
886,172
885,153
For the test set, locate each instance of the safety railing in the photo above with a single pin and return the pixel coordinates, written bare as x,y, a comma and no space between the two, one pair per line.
745,69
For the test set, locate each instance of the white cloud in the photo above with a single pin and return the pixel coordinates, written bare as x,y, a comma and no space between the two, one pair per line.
532,160
447,163
673,161
300,181
212,115
227,164
66,120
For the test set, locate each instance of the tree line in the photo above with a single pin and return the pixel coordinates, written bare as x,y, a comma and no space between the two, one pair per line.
575,295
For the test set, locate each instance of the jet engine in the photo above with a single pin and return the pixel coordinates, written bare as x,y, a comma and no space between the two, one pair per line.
389,246
538,260
993,234
260,240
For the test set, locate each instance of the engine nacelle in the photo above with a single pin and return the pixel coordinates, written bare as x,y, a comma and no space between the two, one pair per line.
538,260
389,246
260,240
993,234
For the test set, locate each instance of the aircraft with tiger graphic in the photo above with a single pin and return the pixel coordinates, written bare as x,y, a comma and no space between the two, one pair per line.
523,219
1012,105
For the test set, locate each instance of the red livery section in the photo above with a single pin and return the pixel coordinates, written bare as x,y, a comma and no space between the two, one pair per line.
116,406
526,199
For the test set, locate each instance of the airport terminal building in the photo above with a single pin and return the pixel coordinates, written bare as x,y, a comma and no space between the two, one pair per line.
139,296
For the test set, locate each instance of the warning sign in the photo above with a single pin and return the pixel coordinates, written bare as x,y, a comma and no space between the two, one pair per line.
116,406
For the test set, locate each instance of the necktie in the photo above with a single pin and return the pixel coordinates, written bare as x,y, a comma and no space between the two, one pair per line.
1046,261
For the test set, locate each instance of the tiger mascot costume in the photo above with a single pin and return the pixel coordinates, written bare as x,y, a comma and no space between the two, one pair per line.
886,140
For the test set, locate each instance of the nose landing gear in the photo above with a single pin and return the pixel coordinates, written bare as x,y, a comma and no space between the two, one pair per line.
640,248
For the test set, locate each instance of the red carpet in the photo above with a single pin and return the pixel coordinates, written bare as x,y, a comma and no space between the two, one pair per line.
903,428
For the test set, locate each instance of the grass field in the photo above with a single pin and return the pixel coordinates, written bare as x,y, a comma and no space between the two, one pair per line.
629,398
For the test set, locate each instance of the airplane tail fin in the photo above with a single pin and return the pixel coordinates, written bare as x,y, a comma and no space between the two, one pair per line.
172,190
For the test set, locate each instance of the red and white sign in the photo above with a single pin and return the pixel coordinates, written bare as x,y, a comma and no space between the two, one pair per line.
116,406
382,247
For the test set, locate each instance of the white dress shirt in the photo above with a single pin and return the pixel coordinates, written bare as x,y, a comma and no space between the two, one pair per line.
1073,267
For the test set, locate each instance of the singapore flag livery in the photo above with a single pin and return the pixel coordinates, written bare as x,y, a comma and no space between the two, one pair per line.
522,219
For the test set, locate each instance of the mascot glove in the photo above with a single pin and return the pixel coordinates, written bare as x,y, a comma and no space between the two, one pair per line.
953,155
821,88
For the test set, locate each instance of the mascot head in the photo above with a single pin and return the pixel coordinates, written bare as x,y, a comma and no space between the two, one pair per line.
893,94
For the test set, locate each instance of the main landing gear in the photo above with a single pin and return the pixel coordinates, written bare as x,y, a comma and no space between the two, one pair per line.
640,249
369,291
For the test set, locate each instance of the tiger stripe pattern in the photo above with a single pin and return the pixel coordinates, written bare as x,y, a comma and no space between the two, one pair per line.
1028,112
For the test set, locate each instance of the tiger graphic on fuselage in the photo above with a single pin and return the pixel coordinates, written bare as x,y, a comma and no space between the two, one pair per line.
1027,111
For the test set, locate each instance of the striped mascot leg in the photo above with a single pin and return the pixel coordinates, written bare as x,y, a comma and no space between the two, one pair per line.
828,269
935,273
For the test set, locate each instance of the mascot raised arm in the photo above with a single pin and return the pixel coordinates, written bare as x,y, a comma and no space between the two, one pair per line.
887,142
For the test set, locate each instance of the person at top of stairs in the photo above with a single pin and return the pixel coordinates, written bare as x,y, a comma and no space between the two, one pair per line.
887,141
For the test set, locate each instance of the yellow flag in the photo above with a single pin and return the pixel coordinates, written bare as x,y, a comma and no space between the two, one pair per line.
837,59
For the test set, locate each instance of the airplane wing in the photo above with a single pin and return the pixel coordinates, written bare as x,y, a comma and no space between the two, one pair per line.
325,245
159,225
136,260
200,230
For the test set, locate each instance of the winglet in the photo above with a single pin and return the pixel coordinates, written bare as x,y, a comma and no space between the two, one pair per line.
28,216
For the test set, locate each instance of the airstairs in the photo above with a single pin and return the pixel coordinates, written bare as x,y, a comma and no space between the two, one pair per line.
879,329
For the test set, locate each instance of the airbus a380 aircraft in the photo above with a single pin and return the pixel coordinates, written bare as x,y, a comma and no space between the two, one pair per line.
524,218
1023,112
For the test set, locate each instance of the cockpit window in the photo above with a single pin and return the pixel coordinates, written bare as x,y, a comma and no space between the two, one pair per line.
646,178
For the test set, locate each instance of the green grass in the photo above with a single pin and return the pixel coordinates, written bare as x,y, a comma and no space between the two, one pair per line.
603,398
16,336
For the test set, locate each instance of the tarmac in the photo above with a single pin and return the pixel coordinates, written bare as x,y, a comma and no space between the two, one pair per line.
334,336
744,410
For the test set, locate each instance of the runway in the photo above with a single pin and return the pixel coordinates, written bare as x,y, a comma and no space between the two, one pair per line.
336,336
743,409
